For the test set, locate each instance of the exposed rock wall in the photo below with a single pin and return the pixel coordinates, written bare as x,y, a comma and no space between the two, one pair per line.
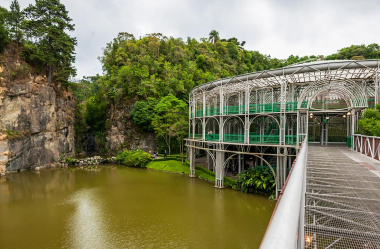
123,133
36,123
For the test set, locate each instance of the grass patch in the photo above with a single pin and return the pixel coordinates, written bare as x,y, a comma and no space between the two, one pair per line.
177,167
204,175
169,166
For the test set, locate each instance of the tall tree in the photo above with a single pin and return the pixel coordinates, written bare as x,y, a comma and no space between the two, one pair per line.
47,23
168,121
4,34
214,36
14,21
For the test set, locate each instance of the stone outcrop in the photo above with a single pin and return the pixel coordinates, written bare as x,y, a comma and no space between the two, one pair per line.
123,133
36,123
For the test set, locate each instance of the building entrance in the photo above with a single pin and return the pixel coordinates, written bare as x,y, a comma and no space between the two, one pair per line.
328,128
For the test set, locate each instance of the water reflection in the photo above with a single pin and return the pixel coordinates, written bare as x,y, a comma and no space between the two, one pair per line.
88,227
35,185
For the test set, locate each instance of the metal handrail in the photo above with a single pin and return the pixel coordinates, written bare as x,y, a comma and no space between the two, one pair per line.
286,228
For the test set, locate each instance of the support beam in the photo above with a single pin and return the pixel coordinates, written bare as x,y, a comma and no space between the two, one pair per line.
192,161
219,171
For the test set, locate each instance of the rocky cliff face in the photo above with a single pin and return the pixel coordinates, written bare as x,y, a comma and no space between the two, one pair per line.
36,120
123,133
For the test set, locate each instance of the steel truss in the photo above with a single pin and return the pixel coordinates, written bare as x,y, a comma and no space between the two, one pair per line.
270,109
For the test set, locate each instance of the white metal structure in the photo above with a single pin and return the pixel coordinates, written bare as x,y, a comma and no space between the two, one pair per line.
260,118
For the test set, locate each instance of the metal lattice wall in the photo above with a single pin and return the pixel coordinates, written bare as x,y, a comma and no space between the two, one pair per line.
286,94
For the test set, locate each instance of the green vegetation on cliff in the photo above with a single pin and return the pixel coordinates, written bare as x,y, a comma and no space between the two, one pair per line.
41,31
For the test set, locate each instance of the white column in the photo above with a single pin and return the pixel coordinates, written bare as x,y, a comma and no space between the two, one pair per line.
192,161
246,116
219,172
204,117
221,104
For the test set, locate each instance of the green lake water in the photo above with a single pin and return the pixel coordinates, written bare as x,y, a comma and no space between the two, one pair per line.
118,207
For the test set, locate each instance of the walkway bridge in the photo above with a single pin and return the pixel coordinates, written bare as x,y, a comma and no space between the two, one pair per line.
331,201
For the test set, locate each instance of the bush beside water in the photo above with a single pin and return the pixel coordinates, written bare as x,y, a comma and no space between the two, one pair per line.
258,180
134,158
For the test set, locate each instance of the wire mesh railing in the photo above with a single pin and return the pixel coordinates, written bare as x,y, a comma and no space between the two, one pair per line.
253,139
233,138
212,137
276,107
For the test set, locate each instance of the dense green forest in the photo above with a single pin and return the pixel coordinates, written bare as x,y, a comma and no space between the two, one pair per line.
155,73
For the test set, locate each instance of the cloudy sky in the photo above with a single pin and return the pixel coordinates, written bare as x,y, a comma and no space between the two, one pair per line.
274,27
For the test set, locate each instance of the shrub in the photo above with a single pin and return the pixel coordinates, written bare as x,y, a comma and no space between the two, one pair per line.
256,180
134,158
228,182
369,124
16,135
70,160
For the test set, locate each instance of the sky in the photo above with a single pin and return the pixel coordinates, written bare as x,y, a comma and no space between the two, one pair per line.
278,28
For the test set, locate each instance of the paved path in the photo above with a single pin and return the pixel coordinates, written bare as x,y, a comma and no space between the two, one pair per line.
342,199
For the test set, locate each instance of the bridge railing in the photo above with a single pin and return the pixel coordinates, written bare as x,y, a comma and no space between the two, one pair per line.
367,145
286,228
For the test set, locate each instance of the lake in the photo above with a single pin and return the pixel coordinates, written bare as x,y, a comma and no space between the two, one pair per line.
120,207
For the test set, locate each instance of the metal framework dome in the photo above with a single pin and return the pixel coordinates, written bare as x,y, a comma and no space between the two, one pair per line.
261,117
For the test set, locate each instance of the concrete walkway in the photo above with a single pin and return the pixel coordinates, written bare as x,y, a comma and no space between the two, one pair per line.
367,162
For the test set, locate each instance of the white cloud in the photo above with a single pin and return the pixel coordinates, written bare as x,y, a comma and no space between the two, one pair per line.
279,28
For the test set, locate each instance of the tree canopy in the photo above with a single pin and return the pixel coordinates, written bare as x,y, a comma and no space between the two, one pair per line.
4,33
170,118
14,21
45,25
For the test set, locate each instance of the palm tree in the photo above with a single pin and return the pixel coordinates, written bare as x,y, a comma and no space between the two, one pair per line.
214,35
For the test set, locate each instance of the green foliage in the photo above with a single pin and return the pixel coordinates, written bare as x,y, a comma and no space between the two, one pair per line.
134,158
16,135
369,124
169,166
4,32
90,107
229,182
156,66
70,160
214,36
14,21
162,146
46,24
96,114
256,180
170,119
204,173
143,113
372,51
